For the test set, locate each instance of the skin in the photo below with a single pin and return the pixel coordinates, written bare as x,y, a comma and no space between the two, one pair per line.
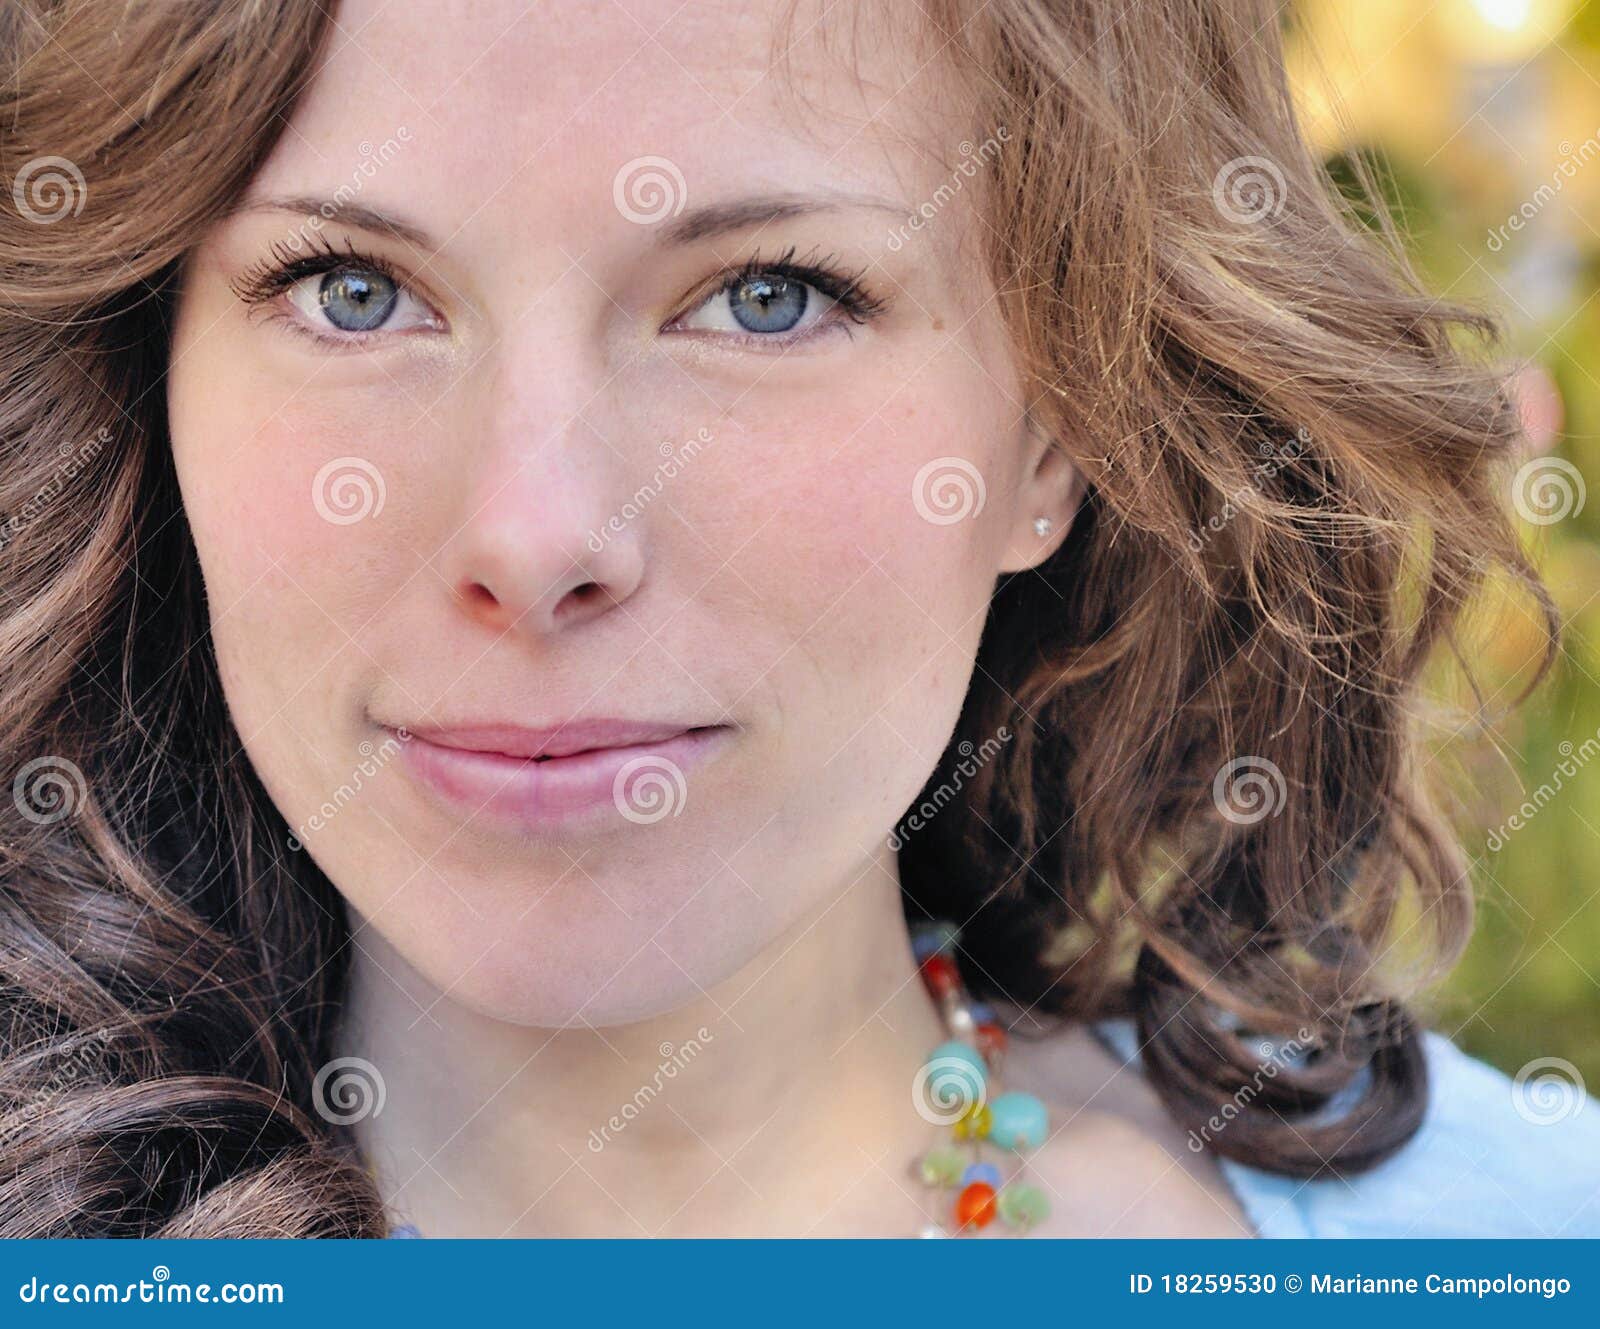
513,989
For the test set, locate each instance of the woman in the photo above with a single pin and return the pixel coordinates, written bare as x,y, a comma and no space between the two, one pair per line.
582,525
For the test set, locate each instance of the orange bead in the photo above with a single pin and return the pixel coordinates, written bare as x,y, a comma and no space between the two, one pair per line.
975,1206
939,972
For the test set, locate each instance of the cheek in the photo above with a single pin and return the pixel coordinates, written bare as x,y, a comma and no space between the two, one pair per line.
868,612
291,524
291,494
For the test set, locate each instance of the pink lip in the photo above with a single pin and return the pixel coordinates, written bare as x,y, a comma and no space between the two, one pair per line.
537,778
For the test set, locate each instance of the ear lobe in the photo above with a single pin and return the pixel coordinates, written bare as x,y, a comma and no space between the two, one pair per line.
1053,491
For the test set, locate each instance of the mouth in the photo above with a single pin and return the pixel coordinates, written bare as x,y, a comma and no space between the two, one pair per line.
618,772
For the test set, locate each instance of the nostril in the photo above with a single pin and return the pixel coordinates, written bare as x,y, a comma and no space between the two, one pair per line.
478,596
579,598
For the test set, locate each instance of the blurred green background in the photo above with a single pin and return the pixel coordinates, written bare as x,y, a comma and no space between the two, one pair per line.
1482,121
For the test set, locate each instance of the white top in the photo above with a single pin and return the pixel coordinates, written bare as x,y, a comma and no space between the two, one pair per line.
1492,1158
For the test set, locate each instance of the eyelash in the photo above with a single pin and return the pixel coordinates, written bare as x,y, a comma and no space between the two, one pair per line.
271,277
845,288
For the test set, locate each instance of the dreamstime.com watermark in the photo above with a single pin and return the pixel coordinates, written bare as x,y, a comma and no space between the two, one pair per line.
374,759
64,1064
49,789
159,1289
1249,789
1566,168
1574,758
649,789
973,158
347,1090
673,1060
73,460
945,794
649,189
1248,190
47,189
1273,1058
1275,459
947,490
1547,1091
647,493
371,159
1547,490
347,490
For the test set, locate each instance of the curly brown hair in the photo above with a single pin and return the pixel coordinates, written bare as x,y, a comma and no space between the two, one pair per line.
1294,488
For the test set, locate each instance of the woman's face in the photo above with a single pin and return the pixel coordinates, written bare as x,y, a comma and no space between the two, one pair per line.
524,461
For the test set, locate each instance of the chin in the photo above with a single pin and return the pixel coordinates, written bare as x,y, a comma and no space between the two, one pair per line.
565,965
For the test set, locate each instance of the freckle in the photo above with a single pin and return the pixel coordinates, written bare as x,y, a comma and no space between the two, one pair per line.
938,325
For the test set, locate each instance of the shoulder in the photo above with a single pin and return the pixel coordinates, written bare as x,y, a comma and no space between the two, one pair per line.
1115,1164
1494,1157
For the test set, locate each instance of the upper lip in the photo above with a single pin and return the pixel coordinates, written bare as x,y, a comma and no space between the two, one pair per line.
560,740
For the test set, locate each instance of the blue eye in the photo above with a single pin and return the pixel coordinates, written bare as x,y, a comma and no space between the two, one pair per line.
353,299
767,304
357,300
783,301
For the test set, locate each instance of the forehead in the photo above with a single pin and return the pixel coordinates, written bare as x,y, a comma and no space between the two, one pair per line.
534,113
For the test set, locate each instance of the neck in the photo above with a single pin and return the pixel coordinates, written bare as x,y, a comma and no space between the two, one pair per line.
778,1103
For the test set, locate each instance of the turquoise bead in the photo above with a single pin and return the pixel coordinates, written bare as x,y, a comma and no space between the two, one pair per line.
1020,1121
956,1075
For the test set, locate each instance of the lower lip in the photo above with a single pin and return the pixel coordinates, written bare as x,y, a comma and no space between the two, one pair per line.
636,785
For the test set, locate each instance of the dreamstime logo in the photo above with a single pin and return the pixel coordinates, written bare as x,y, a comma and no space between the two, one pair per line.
1248,790
68,1063
648,789
973,157
1275,458
374,759
964,770
1249,189
946,1089
347,490
1571,160
673,1060
1547,1090
647,189
948,489
160,1289
73,459
371,159
1548,489
1574,757
348,1090
1274,1057
49,789
645,494
47,189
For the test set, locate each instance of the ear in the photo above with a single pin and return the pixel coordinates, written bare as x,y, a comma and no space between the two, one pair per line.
1052,488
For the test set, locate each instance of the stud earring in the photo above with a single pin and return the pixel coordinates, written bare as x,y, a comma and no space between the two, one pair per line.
1041,526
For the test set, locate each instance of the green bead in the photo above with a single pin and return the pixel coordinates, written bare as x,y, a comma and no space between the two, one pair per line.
943,1166
1022,1206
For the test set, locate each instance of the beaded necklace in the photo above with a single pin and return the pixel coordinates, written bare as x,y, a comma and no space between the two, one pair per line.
956,1089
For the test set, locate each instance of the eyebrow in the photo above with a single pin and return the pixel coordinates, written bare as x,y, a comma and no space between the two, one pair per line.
714,219
701,223
348,214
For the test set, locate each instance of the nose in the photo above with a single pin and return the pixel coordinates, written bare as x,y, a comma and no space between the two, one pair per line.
543,547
